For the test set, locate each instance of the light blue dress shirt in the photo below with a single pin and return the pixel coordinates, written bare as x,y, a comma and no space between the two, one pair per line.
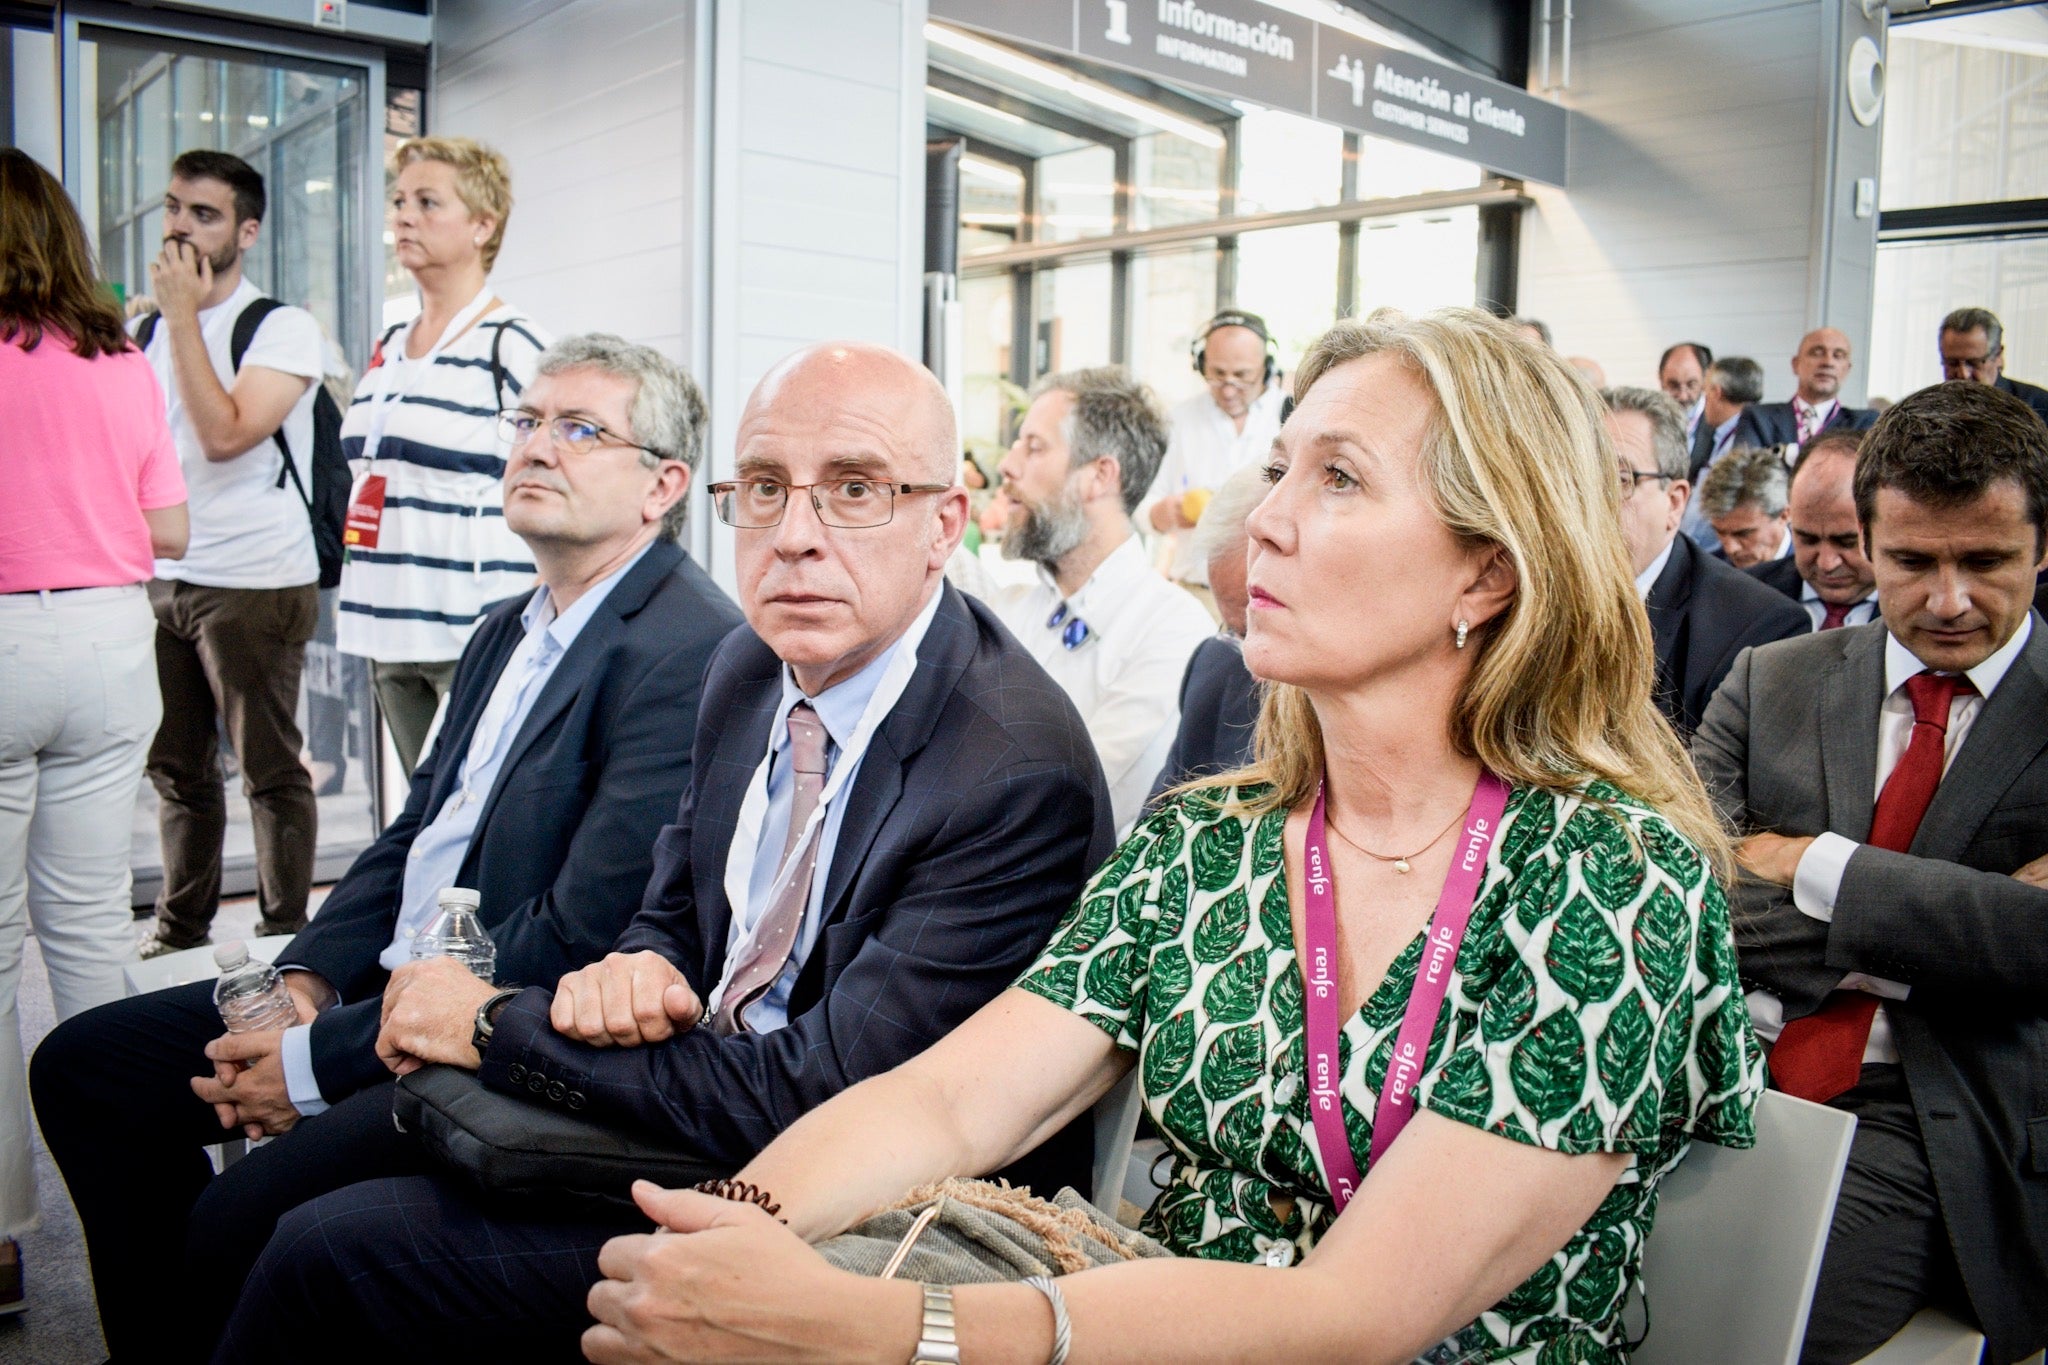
443,842
840,708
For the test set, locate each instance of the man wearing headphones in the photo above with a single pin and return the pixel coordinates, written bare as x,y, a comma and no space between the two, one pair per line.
1230,423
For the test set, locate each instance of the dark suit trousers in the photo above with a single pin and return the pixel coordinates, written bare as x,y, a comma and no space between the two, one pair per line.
1888,1254
171,1242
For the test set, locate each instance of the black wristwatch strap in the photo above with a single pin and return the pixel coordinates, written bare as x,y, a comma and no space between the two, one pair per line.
486,1024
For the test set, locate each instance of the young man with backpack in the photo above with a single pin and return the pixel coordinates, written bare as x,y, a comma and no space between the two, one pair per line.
240,374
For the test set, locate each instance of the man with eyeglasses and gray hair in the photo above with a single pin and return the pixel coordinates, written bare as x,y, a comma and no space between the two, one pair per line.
889,809
1972,342
563,751
1108,627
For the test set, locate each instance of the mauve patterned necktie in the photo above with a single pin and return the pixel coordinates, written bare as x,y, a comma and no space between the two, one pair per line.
1820,1056
773,940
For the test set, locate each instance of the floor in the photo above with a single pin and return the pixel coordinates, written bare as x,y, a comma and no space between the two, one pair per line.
61,1326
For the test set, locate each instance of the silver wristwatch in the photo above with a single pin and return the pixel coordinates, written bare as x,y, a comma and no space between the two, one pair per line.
936,1344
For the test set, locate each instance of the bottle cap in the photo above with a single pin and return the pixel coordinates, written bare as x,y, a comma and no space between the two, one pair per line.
231,955
460,895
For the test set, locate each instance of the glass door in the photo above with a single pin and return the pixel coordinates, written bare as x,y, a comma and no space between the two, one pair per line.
311,122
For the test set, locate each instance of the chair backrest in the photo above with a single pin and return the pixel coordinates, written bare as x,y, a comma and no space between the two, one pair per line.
1116,1123
194,964
1735,1251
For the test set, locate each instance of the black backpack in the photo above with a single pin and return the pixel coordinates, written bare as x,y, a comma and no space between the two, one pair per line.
327,500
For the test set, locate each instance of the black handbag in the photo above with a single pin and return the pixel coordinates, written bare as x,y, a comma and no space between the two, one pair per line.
508,1148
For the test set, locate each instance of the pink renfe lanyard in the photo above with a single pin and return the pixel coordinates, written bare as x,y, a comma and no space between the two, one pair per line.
1425,998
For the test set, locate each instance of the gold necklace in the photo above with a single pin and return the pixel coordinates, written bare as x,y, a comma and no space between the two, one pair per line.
1399,860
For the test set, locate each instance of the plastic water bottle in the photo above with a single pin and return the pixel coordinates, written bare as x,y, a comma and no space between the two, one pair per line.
250,993
457,932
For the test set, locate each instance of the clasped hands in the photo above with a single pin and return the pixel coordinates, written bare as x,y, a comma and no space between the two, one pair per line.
1775,858
247,1088
623,1000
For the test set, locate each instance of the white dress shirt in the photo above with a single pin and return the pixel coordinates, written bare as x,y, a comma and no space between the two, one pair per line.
1817,881
1206,448
1125,677
1647,579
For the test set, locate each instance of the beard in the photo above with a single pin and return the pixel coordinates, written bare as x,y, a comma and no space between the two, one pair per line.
220,261
1049,532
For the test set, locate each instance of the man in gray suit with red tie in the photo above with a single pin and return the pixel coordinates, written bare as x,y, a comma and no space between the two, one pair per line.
1892,919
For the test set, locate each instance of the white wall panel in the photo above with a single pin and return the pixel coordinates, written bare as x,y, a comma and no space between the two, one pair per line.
1700,198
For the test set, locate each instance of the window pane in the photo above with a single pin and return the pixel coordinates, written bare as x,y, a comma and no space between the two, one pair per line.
1966,117
1387,170
1287,162
1073,316
985,320
1178,181
1289,277
1918,283
196,82
1172,294
1077,194
1418,261
991,205
153,151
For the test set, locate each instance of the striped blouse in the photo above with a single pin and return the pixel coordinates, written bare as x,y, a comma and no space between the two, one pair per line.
443,551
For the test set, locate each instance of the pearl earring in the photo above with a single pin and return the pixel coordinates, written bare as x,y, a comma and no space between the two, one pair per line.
1462,628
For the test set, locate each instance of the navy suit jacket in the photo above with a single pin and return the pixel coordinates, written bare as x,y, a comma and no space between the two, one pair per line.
562,848
977,814
1782,573
1773,424
1703,612
2033,395
1219,710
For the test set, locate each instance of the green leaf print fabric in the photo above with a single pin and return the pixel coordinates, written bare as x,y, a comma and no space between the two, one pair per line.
1593,1008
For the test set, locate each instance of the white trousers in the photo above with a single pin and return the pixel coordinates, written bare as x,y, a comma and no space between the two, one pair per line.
78,707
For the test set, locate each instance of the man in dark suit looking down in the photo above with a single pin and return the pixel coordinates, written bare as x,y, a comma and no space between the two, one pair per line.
1702,612
955,807
1892,920
561,753
1821,363
1826,573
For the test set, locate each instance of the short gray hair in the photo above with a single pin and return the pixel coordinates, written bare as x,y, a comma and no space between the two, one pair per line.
1740,379
1746,476
1536,325
1976,320
1667,425
668,414
1222,523
1114,416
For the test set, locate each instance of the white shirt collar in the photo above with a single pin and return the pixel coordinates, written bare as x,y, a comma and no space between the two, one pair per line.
1647,579
1901,663
1123,566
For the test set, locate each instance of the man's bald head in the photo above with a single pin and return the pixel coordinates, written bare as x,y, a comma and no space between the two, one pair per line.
1822,364
845,375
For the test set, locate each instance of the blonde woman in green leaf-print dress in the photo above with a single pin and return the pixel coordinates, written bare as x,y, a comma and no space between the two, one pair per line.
1439,590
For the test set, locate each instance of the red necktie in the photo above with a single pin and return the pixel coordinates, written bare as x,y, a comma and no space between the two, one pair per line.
1835,614
1820,1056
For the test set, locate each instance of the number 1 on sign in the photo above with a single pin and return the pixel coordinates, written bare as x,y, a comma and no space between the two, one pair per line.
1119,30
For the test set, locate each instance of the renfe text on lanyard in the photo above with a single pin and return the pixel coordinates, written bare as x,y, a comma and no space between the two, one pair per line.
1432,981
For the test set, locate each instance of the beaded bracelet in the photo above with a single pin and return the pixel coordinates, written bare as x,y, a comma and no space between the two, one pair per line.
742,1192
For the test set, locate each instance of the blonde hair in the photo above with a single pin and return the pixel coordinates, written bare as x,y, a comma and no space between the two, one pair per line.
1559,693
482,179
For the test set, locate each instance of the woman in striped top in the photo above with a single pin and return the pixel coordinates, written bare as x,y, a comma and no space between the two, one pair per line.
428,548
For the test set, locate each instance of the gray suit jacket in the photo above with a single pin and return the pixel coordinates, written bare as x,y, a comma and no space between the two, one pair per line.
1789,744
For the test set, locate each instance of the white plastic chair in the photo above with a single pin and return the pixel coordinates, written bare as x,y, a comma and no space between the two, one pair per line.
1116,1123
1733,1257
193,964
1931,1337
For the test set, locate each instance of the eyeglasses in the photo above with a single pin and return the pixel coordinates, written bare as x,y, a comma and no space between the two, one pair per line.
1963,367
1631,477
1234,379
849,504
577,435
1076,632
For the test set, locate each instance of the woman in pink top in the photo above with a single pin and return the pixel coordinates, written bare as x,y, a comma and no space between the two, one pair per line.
93,496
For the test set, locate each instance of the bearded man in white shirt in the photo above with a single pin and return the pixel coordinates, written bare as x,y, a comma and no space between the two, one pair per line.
1216,432
1099,618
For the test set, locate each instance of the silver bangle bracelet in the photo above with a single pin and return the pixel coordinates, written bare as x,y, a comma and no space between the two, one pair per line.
1062,1326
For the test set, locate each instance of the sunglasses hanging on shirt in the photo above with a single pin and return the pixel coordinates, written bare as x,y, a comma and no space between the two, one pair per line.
1074,632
